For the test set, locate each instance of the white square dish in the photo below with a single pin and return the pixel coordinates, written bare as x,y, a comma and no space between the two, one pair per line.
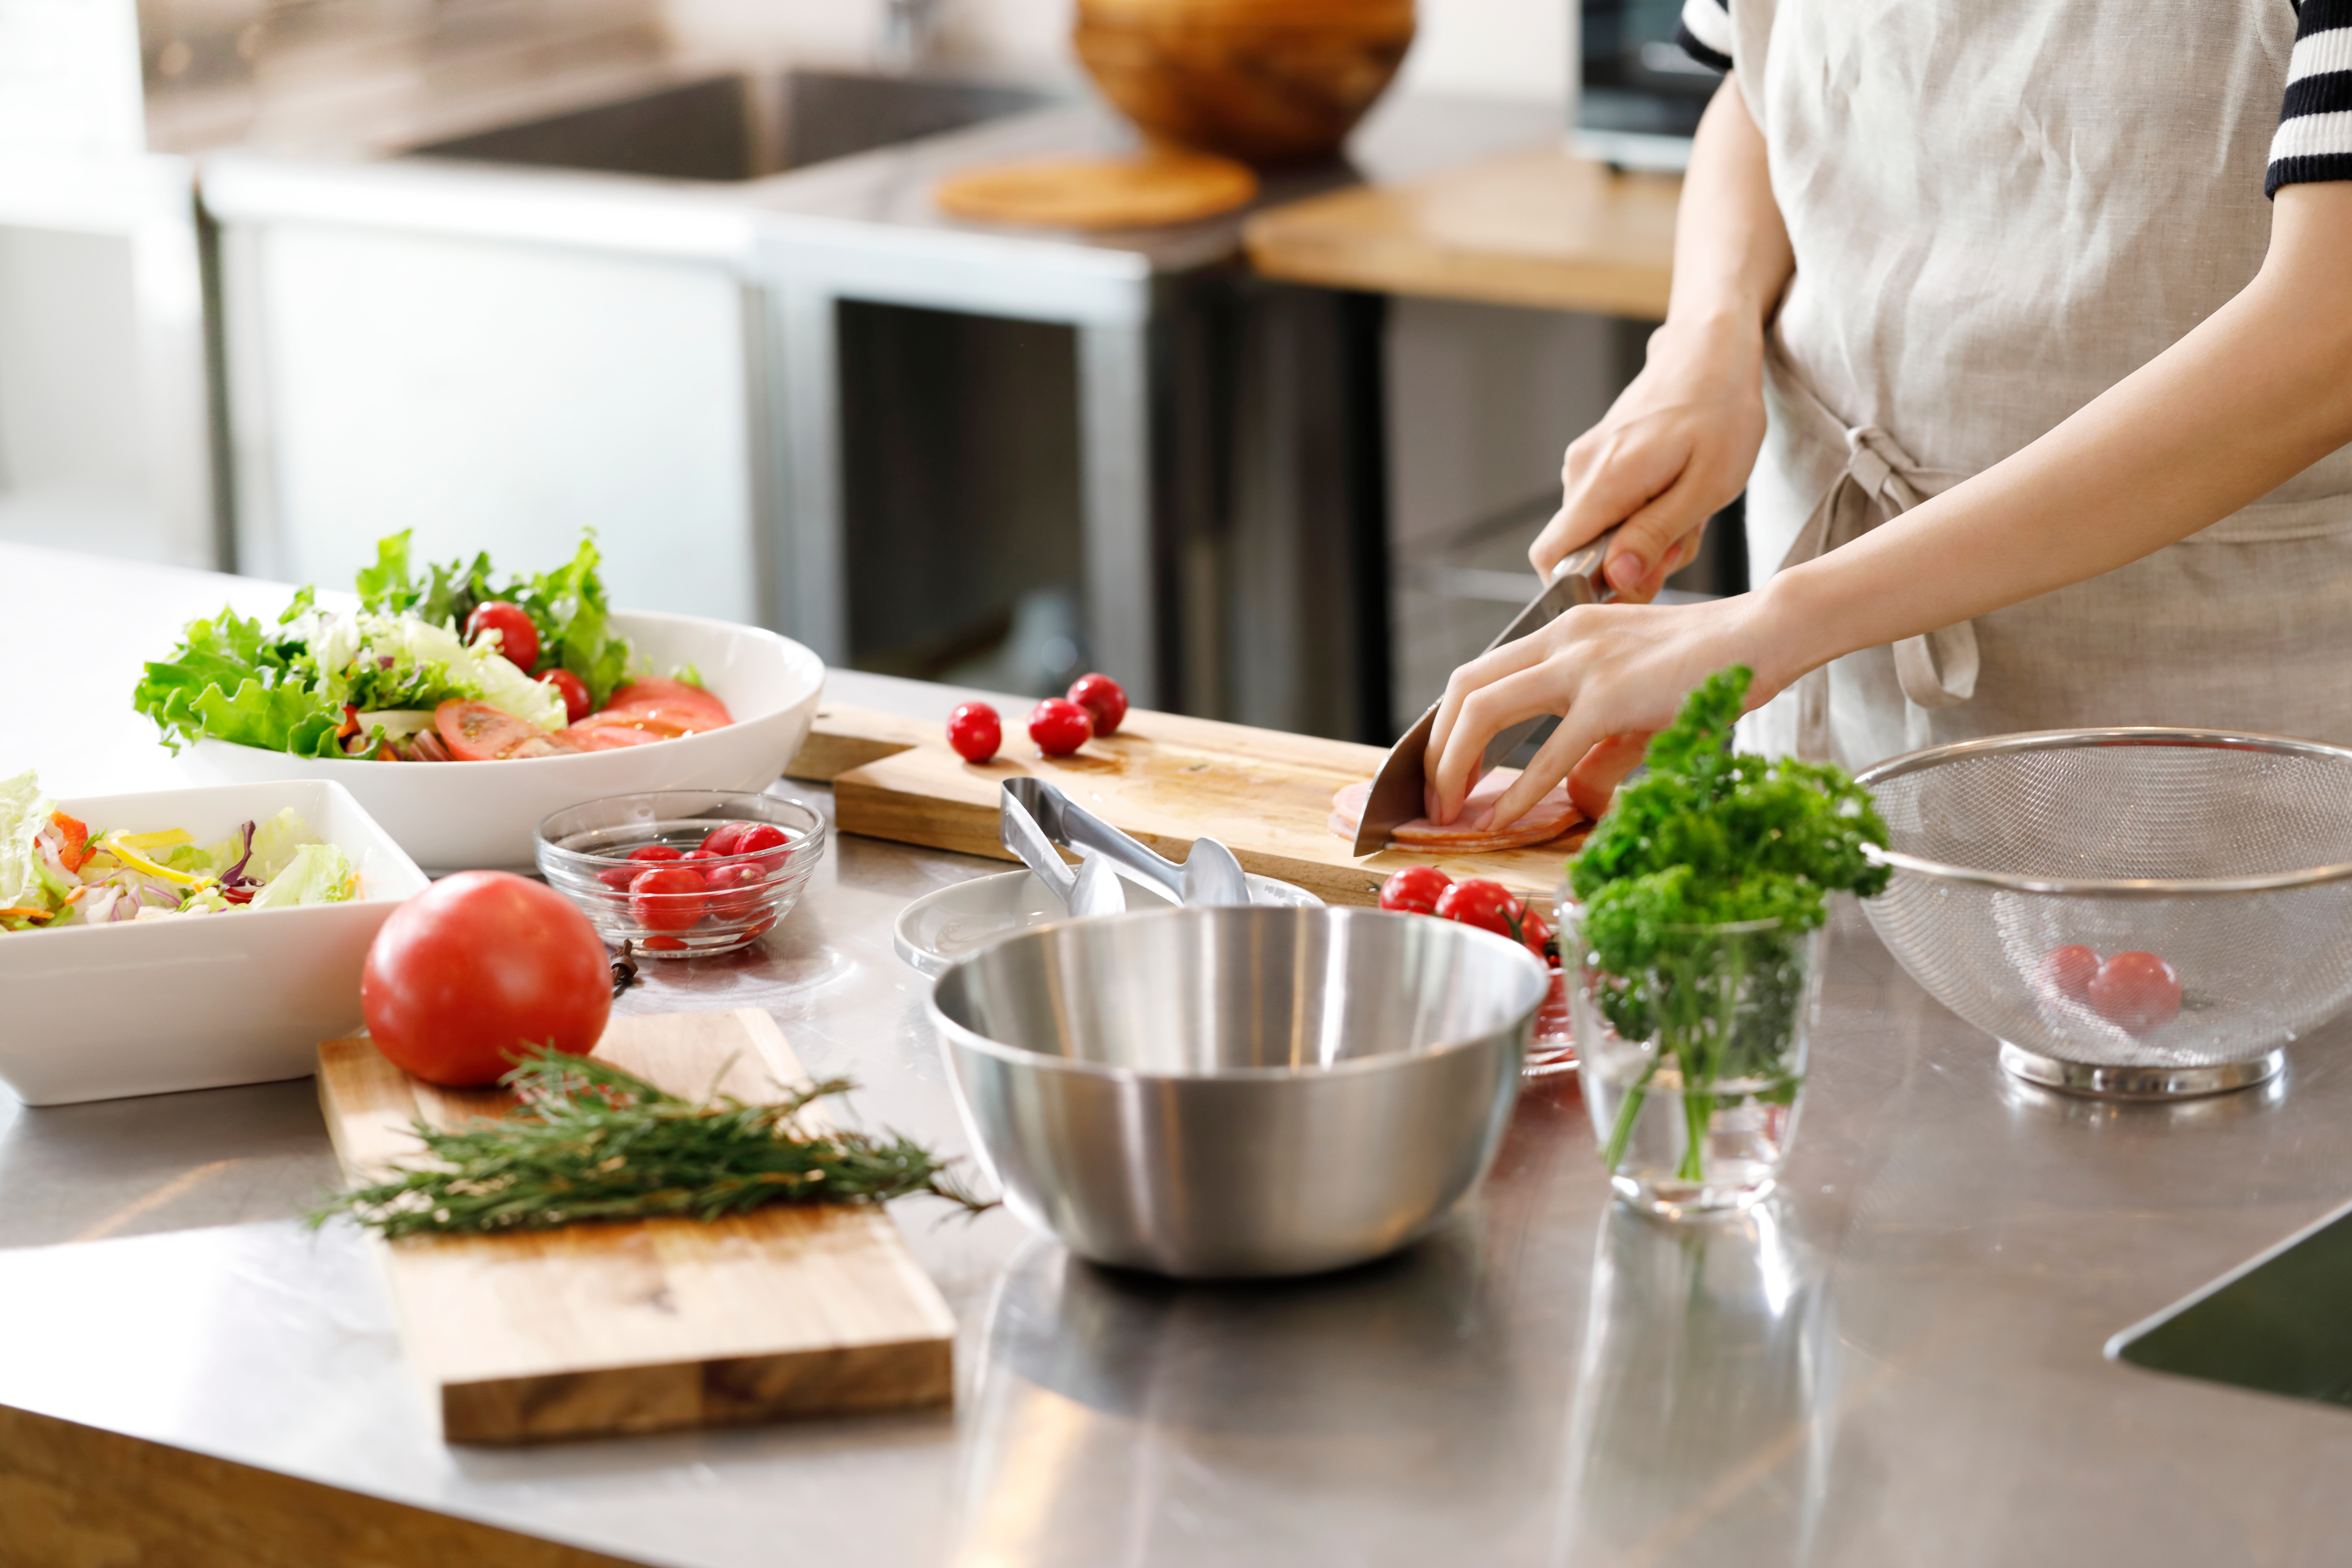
156,1007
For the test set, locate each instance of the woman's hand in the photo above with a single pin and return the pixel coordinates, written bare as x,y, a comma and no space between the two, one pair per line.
1614,673
1674,449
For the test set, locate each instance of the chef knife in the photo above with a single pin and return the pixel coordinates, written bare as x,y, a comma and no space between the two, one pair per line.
1396,788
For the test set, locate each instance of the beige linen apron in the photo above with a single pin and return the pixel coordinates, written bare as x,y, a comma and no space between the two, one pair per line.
2000,208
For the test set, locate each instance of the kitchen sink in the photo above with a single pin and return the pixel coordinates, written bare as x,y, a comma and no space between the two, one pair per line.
2275,1324
742,127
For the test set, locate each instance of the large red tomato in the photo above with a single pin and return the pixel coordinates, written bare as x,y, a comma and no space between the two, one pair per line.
478,968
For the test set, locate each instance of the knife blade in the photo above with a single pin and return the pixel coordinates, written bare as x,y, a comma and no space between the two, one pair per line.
1398,788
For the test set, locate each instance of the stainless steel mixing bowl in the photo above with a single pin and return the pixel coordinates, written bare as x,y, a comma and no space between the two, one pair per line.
1216,1093
2228,855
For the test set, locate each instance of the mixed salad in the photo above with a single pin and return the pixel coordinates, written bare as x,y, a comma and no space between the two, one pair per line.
55,871
449,666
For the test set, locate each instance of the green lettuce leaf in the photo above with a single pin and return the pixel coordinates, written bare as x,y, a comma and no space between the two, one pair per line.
314,874
232,680
24,811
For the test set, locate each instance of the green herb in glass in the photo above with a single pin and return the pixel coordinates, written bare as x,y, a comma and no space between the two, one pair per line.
1710,838
592,1143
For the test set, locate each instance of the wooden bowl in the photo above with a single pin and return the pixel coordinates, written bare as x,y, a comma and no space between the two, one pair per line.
1266,81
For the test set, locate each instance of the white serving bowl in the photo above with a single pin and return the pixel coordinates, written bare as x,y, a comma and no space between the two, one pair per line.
455,816
154,1006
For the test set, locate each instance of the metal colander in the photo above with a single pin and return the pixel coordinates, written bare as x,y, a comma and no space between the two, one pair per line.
2229,855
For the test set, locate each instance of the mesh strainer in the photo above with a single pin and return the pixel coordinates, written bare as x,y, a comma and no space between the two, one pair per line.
2229,855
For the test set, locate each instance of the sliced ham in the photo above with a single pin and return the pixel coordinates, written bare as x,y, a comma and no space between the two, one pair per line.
1471,832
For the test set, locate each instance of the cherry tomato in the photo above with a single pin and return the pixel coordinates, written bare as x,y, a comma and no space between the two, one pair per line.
668,898
478,732
1536,931
620,876
479,967
975,732
654,852
700,855
1475,901
721,840
763,839
2137,991
2067,971
1102,696
734,890
577,704
1415,890
1060,727
518,637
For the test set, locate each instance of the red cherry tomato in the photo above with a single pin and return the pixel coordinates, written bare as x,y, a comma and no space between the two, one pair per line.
1103,698
1475,901
2067,971
2137,991
1060,727
477,968
1415,890
620,876
668,898
734,890
1536,931
577,704
975,732
762,840
721,840
518,637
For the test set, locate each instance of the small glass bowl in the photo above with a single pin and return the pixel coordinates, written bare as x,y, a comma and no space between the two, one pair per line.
583,853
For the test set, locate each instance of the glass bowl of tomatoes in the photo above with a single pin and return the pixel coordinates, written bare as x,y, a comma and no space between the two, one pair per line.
2137,913
682,872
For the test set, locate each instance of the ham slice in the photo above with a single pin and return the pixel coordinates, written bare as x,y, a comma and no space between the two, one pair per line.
1471,832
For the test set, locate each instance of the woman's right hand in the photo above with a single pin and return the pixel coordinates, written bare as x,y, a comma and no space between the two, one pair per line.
1674,449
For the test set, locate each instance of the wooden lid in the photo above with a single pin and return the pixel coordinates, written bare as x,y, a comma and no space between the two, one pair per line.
1144,190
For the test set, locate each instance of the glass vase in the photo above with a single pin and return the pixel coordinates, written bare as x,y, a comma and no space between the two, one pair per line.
1692,1068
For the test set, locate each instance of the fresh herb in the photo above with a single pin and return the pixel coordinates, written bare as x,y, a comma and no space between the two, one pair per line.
1711,838
592,1143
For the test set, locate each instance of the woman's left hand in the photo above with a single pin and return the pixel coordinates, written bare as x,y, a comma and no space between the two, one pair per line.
1614,673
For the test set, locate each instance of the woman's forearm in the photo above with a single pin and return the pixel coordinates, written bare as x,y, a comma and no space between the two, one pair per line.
1732,258
2256,393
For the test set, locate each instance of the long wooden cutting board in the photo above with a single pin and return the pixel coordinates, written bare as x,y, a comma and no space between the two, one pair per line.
1164,778
637,1326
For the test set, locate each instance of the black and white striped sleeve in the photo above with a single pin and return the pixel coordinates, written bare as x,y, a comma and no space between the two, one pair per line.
1706,32
2315,133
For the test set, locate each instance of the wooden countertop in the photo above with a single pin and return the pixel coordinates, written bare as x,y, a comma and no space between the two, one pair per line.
1540,229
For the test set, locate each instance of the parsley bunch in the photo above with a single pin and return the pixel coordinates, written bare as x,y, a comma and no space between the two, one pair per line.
1714,838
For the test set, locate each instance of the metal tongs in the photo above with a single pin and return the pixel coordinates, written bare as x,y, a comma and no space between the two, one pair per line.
1209,875
1398,789
1085,888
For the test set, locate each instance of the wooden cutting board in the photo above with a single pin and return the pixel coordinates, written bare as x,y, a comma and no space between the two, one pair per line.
638,1327
1164,778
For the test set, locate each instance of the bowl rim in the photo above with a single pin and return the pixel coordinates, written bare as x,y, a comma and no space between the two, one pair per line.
791,652
2100,886
959,1035
811,841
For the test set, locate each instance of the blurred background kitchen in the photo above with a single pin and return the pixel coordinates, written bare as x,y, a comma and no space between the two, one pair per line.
279,277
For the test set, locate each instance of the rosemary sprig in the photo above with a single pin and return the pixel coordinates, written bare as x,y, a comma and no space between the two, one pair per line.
592,1143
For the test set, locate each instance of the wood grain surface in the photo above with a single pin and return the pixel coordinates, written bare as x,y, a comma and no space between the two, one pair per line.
639,1327
1142,192
1539,228
76,1496
1266,81
1163,778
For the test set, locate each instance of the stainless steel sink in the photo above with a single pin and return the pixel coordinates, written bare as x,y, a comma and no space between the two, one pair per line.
742,127
2276,1324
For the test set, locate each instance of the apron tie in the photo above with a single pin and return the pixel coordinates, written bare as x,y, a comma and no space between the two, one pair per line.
1880,480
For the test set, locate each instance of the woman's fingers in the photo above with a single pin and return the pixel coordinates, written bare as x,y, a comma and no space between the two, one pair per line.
1482,671
1556,759
1593,782
1483,714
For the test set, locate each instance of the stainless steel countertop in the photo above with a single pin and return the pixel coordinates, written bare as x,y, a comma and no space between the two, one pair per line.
1896,1362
